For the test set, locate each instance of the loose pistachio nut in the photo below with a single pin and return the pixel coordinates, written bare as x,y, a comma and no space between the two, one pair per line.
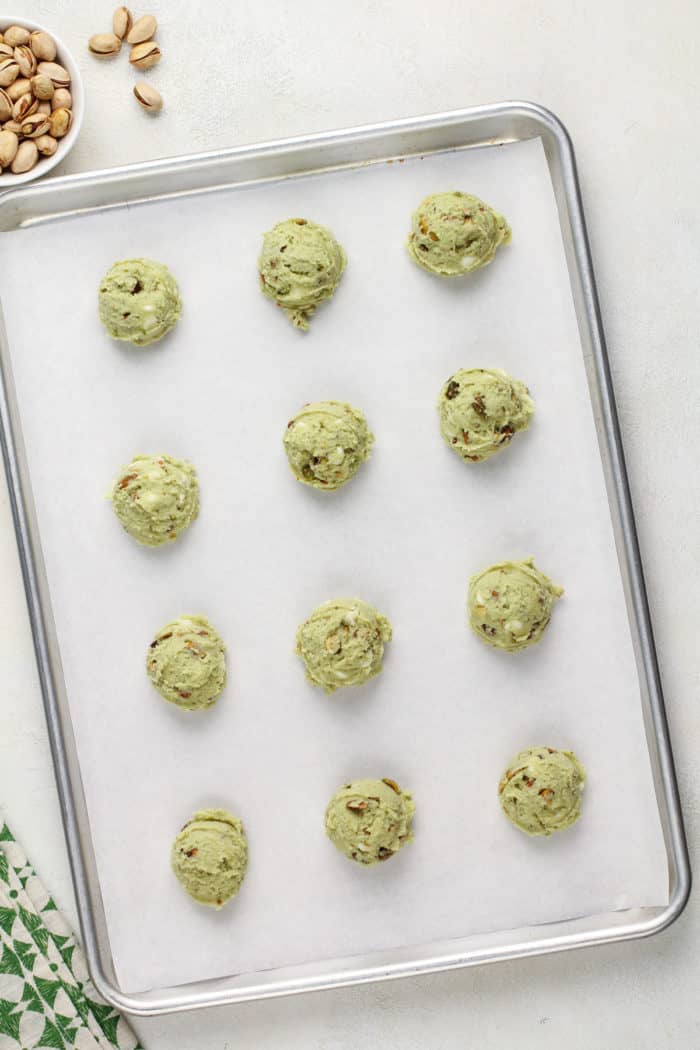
105,44
26,60
144,56
58,124
12,125
147,96
24,107
5,106
122,22
142,30
22,86
44,107
9,144
6,51
54,72
43,46
26,157
62,99
42,87
9,71
47,145
16,35
37,124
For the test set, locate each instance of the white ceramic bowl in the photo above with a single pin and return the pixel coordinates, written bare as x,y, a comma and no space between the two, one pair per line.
65,145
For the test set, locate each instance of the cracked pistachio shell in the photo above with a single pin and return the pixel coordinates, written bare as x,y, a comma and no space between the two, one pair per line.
145,56
25,159
16,35
43,46
9,144
42,87
9,71
24,107
105,44
26,60
5,106
55,72
122,22
34,125
59,123
147,97
142,30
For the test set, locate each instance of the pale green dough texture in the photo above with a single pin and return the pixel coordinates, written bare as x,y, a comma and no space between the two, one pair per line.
139,301
453,234
342,643
481,409
210,856
186,662
510,604
370,820
156,498
541,790
326,443
300,266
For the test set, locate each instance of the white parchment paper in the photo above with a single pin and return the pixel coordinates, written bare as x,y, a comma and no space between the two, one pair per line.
447,713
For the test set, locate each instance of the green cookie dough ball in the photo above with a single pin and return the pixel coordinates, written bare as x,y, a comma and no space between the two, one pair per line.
510,604
326,443
541,790
210,856
480,411
186,663
454,233
300,266
342,643
156,498
139,301
370,820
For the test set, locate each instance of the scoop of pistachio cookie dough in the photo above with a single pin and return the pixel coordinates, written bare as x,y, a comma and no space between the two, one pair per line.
186,662
342,643
541,790
326,443
453,234
139,301
300,266
156,498
210,856
510,604
370,820
481,409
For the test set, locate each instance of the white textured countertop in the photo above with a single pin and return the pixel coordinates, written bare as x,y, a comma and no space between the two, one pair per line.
624,79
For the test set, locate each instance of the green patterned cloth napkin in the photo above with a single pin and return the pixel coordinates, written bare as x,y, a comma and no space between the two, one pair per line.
46,996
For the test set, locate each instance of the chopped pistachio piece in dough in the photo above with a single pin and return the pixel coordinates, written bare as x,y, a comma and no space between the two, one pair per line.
342,643
210,856
139,301
481,409
453,234
156,498
186,662
510,604
326,443
300,266
540,792
370,820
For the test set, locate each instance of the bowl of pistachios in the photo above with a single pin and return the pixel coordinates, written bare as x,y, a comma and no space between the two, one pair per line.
41,101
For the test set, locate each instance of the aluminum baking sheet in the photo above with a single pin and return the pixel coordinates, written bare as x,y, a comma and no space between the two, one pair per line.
447,713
